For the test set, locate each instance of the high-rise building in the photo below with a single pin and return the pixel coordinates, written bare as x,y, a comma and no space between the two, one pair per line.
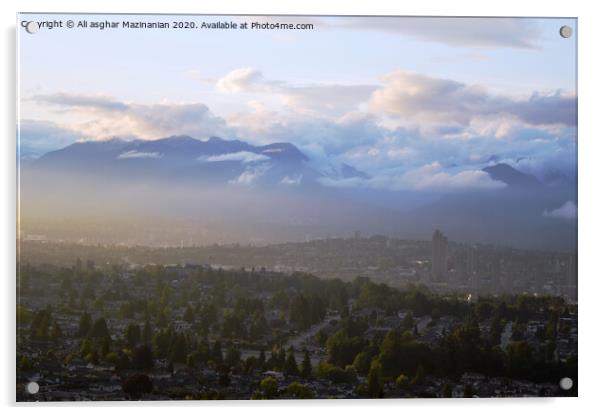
439,257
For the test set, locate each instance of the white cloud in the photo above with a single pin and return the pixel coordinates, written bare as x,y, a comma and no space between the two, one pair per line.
242,80
292,181
311,99
132,154
249,176
428,177
243,156
567,211
103,117
418,98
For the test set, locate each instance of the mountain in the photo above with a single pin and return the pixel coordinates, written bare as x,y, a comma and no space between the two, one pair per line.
233,191
181,158
513,178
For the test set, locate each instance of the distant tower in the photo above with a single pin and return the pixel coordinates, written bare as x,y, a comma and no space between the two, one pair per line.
439,257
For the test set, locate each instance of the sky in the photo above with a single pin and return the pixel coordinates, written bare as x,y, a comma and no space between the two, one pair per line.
416,103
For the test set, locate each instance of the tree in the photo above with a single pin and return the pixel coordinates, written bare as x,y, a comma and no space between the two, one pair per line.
261,360
447,391
147,332
402,381
178,349
299,391
336,374
136,385
132,335
290,367
232,356
24,363
419,377
519,359
56,332
269,387
468,392
142,357
189,314
408,322
105,347
86,347
306,368
342,349
375,380
362,362
100,329
216,352
40,325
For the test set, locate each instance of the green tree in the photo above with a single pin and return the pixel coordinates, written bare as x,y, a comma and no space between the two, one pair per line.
342,349
402,381
269,387
189,314
216,352
290,367
147,333
105,347
232,357
306,368
132,335
56,332
362,362
99,329
297,390
375,380
419,377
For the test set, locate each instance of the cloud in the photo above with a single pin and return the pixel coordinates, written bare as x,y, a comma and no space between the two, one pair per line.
103,117
133,154
250,176
243,80
567,211
461,32
292,181
453,31
420,98
428,177
37,137
99,101
458,125
311,99
243,156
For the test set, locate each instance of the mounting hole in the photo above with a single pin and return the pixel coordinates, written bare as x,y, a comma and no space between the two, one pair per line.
566,31
32,27
32,388
566,383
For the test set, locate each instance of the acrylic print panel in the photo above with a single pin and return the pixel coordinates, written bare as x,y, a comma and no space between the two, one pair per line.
289,207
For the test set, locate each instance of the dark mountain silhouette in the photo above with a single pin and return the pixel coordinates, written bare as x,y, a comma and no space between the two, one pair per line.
513,178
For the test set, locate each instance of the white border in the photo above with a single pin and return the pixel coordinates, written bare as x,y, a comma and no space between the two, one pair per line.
590,206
